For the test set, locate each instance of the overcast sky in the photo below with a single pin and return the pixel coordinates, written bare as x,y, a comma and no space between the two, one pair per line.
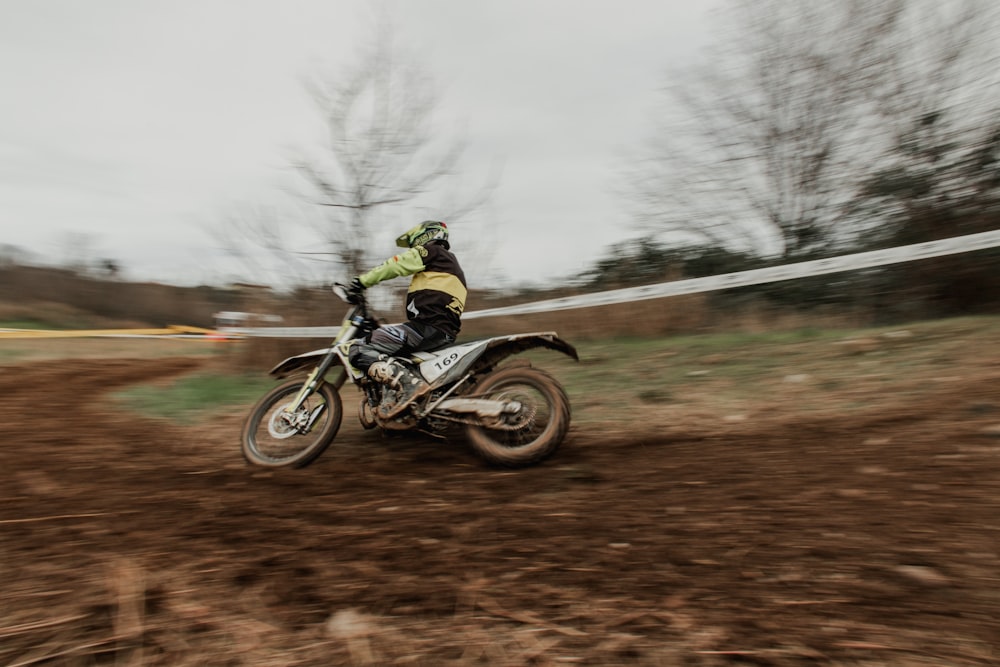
130,126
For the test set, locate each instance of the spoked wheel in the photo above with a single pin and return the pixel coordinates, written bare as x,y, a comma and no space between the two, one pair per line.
275,437
533,429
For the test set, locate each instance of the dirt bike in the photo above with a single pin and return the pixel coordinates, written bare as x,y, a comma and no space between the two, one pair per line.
512,415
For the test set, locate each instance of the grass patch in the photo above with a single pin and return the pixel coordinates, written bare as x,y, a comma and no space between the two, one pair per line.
194,396
734,373
651,365
803,369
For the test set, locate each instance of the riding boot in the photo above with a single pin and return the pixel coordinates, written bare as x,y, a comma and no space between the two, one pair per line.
394,374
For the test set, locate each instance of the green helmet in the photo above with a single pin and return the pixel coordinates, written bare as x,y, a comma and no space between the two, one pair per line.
425,232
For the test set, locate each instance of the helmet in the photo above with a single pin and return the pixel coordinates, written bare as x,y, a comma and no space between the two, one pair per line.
425,232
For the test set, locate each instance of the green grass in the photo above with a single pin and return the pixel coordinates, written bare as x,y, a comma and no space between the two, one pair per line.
195,396
621,378
733,369
647,364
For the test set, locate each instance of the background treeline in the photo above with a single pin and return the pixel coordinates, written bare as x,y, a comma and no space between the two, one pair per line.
63,297
808,130
967,283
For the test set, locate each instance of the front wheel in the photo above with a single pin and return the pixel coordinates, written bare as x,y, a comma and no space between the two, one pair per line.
532,433
274,437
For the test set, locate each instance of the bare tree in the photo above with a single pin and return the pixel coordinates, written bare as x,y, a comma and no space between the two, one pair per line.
765,145
937,98
79,250
13,255
381,160
271,242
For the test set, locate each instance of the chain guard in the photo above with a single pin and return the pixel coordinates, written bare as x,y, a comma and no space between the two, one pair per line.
472,421
524,417
369,417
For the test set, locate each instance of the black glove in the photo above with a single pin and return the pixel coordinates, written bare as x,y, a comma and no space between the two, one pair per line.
355,291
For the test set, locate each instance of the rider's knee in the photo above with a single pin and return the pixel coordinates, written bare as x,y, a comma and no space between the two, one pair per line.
362,356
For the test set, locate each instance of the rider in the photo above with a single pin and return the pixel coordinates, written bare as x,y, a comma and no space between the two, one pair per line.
434,305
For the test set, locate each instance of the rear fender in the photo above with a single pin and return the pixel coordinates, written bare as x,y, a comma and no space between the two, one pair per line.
451,363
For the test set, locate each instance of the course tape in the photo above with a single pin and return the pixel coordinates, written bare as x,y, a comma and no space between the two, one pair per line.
281,332
816,267
173,331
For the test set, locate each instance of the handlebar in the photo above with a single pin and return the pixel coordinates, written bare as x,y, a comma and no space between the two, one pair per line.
340,291
357,301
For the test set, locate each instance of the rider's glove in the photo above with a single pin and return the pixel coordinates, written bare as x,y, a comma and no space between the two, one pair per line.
355,291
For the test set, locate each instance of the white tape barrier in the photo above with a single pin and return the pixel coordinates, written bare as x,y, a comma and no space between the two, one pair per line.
816,267
281,332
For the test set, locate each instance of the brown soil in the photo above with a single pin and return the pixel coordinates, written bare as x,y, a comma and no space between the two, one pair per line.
869,537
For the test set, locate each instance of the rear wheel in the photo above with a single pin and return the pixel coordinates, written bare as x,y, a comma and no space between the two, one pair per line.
276,438
531,433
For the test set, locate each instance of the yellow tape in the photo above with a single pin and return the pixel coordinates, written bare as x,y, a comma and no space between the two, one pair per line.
183,328
172,330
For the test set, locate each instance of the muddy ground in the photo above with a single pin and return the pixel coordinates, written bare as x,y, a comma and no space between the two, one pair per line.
868,536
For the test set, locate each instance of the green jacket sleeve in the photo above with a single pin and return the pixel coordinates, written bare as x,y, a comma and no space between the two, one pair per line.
403,264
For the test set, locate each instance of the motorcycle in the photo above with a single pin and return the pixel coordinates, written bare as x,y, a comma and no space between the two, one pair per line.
512,414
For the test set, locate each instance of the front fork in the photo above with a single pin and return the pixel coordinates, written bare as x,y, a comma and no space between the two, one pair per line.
313,382
318,375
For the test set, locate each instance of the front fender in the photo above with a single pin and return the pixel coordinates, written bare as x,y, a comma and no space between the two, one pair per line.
298,362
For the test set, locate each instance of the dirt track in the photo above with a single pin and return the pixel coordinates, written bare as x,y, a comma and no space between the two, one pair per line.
854,539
